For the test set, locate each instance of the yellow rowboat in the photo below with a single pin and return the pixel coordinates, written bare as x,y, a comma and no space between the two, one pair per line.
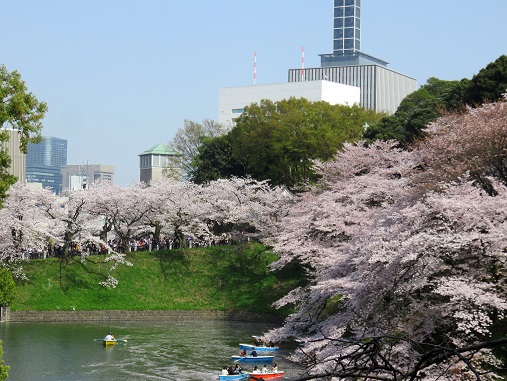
111,342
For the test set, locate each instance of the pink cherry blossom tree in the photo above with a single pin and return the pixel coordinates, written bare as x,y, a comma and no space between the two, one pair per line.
123,209
25,225
179,210
473,142
245,206
405,278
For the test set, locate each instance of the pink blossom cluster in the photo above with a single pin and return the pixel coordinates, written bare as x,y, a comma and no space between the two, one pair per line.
406,253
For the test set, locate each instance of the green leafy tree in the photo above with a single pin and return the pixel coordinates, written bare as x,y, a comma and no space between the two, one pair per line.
187,141
8,289
3,368
418,109
277,141
6,179
489,84
215,161
21,111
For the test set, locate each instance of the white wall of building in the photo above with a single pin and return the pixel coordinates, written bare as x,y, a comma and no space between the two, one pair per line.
234,99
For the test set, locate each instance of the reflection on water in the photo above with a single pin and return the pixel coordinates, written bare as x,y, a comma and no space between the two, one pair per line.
193,351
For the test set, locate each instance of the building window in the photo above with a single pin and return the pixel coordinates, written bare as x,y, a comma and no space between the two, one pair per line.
338,45
349,44
238,110
145,161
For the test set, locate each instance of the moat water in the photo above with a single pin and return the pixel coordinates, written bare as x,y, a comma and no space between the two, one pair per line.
193,351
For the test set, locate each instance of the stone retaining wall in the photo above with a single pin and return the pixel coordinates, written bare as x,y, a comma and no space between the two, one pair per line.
119,315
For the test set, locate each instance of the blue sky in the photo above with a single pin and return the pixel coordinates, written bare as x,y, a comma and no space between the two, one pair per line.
121,76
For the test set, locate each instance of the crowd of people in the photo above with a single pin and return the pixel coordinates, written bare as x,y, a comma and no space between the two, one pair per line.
147,243
230,370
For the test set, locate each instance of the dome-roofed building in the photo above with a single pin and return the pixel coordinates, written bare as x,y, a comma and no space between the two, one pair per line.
154,161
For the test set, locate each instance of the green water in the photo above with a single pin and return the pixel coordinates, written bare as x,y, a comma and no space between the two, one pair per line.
154,351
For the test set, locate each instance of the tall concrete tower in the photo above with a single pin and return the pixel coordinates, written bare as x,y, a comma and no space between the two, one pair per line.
347,37
347,27
382,89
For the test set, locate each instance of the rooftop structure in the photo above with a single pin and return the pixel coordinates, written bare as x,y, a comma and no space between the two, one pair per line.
347,37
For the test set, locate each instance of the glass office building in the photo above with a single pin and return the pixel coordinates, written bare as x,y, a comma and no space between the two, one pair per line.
44,161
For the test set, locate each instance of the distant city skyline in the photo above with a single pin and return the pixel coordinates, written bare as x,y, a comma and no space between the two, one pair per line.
120,77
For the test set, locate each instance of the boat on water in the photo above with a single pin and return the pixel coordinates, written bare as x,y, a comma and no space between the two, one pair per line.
261,343
261,348
241,376
111,342
251,359
257,340
265,376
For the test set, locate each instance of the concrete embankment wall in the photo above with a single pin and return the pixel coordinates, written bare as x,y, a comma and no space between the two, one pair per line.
119,315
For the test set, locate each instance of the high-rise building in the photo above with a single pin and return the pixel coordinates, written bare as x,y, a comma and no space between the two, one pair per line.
44,161
382,89
18,158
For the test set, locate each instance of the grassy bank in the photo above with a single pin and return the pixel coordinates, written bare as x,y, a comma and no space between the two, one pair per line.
215,278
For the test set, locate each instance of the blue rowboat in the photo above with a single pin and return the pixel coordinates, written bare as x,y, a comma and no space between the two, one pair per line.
241,376
249,347
250,359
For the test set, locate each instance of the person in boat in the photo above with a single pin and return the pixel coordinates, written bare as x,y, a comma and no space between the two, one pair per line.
237,369
109,337
264,369
274,369
256,369
243,353
253,353
224,371
230,370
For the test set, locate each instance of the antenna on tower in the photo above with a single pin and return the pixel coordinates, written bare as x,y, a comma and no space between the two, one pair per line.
255,66
303,63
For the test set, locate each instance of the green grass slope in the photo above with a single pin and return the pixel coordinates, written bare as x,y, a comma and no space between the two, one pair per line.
214,278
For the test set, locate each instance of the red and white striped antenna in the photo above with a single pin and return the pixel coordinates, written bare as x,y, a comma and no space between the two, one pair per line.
255,66
303,63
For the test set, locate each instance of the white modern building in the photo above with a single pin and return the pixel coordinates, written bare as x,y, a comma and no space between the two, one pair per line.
76,177
232,100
